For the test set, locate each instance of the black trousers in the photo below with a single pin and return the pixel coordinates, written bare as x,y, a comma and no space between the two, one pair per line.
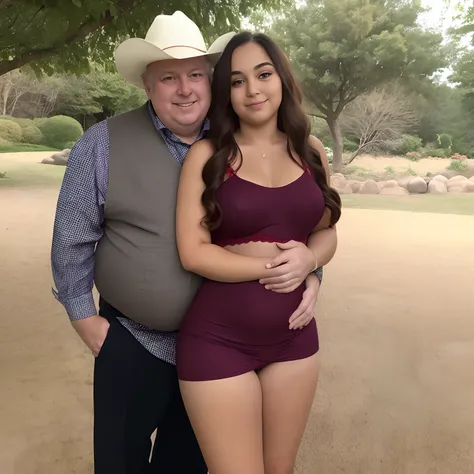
134,393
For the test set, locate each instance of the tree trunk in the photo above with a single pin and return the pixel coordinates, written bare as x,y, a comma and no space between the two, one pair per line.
335,128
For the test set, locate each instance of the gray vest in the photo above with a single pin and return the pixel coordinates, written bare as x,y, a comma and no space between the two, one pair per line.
137,266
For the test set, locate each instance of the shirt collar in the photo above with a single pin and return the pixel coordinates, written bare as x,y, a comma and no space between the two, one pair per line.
160,126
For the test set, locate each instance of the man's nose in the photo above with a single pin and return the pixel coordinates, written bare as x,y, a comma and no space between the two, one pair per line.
184,86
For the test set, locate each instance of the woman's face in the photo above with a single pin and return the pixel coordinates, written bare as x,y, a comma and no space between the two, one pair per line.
256,90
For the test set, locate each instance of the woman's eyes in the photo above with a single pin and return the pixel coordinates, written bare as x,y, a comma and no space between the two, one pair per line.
263,75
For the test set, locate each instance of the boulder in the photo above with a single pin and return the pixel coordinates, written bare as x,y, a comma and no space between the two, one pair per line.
441,178
340,184
417,186
461,186
389,184
436,186
47,161
471,179
457,178
404,181
369,187
355,185
394,191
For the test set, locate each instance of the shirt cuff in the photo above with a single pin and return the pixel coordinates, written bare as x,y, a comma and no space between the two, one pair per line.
319,273
78,308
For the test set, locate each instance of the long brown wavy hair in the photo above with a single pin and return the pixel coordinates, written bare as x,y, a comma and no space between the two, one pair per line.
292,121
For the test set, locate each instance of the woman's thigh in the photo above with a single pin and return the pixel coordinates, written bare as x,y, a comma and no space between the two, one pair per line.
226,416
288,390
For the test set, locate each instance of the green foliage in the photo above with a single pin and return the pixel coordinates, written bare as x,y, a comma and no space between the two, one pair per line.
60,130
64,35
342,49
32,134
457,165
445,141
437,153
3,175
389,170
405,144
463,75
10,131
349,145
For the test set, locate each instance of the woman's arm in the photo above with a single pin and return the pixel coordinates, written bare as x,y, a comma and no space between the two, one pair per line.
323,239
197,253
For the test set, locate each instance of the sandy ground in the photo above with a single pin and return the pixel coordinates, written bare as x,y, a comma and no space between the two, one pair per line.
396,323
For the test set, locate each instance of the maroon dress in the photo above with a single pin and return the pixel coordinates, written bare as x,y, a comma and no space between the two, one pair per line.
233,328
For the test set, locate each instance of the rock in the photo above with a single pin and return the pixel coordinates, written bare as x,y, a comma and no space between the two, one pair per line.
417,186
389,184
394,191
471,179
456,179
47,161
60,159
404,181
427,179
369,187
338,180
355,185
436,186
441,178
461,186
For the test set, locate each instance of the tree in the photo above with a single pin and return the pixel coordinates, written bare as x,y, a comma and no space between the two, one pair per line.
463,76
341,49
54,35
377,118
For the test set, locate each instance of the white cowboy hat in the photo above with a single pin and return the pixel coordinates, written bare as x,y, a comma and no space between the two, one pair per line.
169,37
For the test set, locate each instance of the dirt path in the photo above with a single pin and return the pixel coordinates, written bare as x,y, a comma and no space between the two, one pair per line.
397,330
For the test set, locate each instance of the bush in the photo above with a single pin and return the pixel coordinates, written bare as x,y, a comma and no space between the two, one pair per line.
10,131
437,153
445,141
4,142
32,134
60,130
457,165
414,156
349,145
405,144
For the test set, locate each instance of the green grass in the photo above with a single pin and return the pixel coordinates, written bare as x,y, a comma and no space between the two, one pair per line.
435,203
21,175
18,147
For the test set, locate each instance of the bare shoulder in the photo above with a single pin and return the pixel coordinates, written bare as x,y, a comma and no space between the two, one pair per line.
200,152
317,144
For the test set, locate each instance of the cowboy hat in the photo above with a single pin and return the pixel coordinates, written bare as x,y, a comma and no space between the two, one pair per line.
169,37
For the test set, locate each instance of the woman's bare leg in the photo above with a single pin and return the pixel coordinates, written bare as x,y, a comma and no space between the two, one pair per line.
226,416
288,390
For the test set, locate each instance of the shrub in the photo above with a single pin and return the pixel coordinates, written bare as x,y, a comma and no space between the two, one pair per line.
445,141
32,134
405,144
414,156
438,153
457,165
10,131
349,145
60,130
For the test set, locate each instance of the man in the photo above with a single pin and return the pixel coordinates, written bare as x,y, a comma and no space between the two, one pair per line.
114,227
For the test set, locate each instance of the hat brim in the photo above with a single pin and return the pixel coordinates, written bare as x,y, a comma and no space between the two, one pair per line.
135,54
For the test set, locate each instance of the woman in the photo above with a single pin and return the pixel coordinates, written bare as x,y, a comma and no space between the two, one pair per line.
247,379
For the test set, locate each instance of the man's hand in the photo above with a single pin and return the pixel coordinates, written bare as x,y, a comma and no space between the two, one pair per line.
305,311
289,269
92,331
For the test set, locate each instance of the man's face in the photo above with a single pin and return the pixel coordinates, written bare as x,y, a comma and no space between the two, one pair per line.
180,92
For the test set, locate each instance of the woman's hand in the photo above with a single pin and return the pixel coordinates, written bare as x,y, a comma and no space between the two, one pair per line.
305,311
289,269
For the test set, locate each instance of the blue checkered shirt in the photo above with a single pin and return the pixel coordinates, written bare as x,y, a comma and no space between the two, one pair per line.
78,226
